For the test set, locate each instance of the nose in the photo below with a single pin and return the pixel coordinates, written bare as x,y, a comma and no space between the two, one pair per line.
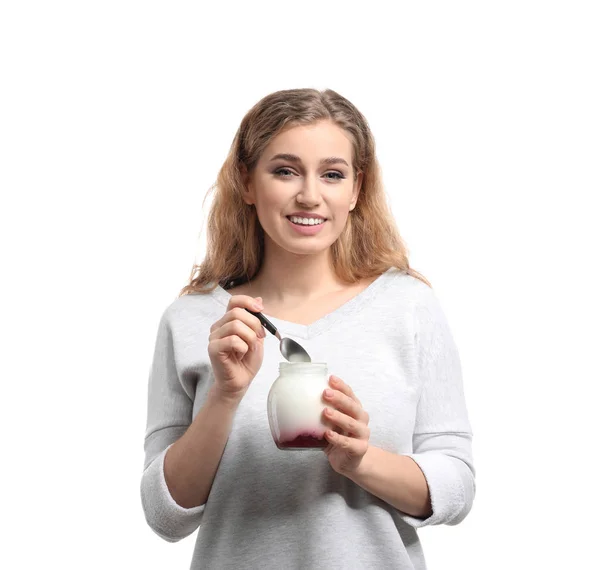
309,193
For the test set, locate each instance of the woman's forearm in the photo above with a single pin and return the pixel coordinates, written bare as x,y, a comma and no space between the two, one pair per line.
396,479
192,461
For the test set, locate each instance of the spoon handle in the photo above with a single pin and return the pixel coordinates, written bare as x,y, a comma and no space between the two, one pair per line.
265,322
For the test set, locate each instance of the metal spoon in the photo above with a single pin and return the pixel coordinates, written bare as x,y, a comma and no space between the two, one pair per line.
290,349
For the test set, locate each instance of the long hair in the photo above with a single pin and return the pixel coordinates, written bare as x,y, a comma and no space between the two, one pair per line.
369,244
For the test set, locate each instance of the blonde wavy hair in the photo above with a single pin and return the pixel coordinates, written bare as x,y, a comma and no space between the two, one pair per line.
369,244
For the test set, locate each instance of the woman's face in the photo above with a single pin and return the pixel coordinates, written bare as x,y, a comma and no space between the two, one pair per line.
318,183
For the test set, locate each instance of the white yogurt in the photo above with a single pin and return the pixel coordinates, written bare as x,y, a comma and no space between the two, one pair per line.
295,405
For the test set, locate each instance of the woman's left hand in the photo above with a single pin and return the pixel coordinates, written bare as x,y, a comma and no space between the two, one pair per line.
347,449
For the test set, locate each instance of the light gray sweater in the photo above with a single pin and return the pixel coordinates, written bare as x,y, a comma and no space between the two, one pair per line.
274,509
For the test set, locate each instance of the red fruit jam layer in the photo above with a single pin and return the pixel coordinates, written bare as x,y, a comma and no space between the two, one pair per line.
303,441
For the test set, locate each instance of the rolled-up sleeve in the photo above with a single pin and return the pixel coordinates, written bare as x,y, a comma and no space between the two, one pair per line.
169,415
442,436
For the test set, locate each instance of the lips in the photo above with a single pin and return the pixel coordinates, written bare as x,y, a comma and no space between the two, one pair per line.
306,215
318,220
307,230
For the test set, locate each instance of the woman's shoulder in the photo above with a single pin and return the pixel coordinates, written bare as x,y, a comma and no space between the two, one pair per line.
405,290
196,306
406,284
426,305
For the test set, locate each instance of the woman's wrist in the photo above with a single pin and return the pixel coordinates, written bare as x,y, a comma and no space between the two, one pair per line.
224,399
394,478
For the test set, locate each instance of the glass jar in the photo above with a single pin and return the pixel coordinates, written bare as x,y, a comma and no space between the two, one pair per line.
295,406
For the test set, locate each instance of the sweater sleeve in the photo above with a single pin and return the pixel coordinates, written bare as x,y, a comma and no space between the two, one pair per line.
169,415
442,435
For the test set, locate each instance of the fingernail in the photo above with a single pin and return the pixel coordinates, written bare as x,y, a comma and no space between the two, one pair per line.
328,393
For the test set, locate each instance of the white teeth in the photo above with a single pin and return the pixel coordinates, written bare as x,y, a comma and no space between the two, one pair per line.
306,221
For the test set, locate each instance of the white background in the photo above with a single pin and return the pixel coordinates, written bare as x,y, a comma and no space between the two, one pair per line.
114,120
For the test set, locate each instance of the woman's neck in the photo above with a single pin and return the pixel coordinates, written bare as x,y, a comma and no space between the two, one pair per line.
288,278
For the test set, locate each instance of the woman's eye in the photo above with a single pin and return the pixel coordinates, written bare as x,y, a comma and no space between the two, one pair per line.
284,173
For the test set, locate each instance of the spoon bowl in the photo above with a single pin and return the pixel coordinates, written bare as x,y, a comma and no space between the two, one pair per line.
292,351
289,348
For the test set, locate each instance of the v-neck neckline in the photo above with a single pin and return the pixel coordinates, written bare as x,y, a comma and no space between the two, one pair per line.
326,321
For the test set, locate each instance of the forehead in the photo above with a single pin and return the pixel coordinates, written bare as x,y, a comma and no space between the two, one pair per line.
311,142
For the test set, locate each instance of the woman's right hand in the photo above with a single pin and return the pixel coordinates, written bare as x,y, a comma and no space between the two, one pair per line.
236,346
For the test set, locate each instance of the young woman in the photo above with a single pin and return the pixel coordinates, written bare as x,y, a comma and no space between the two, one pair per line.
300,230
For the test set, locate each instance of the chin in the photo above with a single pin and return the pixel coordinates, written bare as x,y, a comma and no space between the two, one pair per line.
303,250
297,248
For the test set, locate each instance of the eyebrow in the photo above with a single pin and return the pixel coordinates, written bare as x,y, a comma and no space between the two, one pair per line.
297,159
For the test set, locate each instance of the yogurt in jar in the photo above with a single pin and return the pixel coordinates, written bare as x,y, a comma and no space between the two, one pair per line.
295,406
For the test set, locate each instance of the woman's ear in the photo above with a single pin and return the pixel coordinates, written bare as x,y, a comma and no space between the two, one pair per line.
356,189
248,190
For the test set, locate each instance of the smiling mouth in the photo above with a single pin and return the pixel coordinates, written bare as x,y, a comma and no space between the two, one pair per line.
308,222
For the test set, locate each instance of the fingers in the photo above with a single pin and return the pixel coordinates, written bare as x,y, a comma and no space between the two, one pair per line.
238,329
348,414
237,303
237,312
346,403
340,385
347,449
352,447
228,345
349,425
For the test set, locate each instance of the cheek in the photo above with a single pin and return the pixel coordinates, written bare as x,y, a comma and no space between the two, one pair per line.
269,209
271,200
341,210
